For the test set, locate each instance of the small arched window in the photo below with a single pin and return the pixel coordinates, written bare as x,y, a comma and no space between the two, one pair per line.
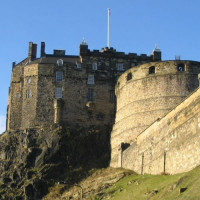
60,62
181,68
152,70
129,76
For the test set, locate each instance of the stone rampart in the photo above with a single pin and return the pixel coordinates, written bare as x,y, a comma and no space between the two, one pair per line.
170,145
144,96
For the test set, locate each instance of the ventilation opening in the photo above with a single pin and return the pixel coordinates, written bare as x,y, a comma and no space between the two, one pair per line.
152,70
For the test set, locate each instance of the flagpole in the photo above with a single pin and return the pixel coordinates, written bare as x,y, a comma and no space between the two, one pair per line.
108,33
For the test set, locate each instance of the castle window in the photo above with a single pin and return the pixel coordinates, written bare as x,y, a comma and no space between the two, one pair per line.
129,76
60,62
112,96
59,76
181,67
120,66
94,66
28,94
78,65
90,79
90,94
18,95
152,70
58,93
28,80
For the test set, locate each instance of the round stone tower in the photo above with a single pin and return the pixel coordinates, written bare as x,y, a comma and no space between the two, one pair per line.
147,93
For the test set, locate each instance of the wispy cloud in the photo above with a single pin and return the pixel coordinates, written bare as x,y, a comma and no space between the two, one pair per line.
2,123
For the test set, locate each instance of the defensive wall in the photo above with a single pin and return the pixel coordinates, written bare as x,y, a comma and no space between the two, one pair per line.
147,93
170,145
75,90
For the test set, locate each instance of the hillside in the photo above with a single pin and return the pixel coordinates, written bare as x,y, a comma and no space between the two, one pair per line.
55,163
33,160
119,184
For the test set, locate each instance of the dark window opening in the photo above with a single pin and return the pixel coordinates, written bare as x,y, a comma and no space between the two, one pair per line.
129,76
90,94
152,70
181,68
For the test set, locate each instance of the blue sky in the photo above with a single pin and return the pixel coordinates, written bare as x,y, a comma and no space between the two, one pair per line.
135,26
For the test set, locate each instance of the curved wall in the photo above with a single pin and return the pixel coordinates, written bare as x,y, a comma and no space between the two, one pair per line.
148,97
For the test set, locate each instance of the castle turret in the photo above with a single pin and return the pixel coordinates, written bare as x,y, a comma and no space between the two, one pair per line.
32,53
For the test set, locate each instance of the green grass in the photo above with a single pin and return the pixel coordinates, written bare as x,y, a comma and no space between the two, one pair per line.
154,187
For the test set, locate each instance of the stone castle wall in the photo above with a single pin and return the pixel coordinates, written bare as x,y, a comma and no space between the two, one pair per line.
171,145
75,110
150,134
30,87
147,97
15,99
36,77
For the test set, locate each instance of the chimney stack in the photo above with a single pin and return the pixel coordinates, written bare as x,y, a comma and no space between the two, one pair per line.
42,52
32,53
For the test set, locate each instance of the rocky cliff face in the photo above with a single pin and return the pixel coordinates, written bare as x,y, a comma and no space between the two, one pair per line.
33,160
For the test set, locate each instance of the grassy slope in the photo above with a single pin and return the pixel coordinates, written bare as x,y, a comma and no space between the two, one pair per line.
107,184
154,187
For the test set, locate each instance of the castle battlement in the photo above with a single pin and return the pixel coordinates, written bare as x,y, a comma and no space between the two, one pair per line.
112,53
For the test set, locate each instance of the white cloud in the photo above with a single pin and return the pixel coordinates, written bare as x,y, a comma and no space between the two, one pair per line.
2,123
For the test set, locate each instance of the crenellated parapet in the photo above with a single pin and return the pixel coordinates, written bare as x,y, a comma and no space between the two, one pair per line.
112,53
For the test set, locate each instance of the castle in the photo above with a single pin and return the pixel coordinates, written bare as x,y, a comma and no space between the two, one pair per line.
74,90
154,114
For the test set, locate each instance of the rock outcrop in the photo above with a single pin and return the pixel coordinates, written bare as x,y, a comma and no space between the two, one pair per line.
33,160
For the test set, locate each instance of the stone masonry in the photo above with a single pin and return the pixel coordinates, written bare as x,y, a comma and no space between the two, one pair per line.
156,128
153,105
170,145
148,96
67,89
